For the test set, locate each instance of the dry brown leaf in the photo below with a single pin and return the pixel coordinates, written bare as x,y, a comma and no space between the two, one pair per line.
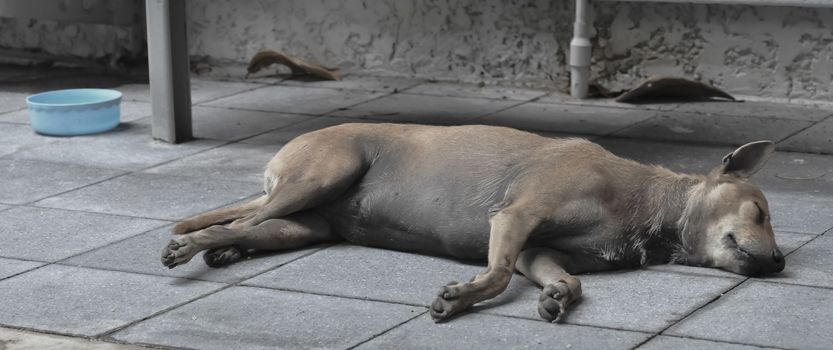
266,58
665,88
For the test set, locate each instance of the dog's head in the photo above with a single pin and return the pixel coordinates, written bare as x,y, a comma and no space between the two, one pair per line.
726,223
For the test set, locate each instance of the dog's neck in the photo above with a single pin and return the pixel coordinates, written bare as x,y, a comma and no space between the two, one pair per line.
660,198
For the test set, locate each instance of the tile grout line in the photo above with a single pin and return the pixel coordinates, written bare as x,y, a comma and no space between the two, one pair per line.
830,117
330,112
687,315
616,132
32,206
212,99
489,114
299,291
108,334
58,262
64,262
141,170
277,84
722,341
745,280
386,331
583,325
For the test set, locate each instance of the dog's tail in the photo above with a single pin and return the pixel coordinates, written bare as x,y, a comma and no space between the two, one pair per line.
219,216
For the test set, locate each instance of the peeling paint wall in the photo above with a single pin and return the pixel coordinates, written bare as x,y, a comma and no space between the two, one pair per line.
784,52
760,51
96,40
446,39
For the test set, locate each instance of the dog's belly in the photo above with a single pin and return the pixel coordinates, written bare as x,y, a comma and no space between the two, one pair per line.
413,219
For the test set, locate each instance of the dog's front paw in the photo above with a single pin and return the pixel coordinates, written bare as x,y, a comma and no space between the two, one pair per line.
448,302
553,301
178,251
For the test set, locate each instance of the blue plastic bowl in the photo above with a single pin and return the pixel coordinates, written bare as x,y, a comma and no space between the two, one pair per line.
74,112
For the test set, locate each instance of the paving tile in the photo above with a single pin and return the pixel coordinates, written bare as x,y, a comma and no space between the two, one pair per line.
11,267
706,271
20,340
26,181
237,162
800,212
76,301
50,234
141,254
17,137
639,300
713,129
10,101
234,124
477,91
665,342
412,108
135,92
785,171
254,318
374,274
202,90
798,172
759,109
567,118
293,99
811,265
129,147
284,135
357,82
685,158
20,116
765,314
557,97
816,139
493,332
154,196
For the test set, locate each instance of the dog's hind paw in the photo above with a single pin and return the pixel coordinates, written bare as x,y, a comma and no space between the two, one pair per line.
553,302
178,251
222,256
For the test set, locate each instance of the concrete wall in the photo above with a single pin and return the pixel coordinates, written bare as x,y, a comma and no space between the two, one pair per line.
780,52
102,31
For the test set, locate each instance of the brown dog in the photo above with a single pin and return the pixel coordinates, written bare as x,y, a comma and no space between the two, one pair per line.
548,208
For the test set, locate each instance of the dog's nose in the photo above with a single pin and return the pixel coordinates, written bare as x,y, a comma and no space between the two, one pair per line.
778,259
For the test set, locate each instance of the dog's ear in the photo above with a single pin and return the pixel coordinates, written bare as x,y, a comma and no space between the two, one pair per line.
747,159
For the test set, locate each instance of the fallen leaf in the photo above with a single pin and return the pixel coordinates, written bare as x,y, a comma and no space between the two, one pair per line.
667,88
266,58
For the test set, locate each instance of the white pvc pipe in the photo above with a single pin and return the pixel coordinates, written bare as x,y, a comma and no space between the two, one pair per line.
580,52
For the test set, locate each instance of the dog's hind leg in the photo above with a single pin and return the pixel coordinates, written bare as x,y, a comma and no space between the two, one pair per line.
510,229
218,217
290,232
308,172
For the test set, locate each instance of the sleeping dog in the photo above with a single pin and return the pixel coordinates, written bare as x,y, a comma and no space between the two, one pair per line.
547,208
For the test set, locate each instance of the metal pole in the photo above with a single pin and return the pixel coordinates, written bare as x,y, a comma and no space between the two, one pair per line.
580,52
169,70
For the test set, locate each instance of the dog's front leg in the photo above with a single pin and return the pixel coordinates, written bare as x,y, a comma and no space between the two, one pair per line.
546,267
510,229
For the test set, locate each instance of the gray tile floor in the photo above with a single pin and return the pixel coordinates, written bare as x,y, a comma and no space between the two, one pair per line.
84,219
